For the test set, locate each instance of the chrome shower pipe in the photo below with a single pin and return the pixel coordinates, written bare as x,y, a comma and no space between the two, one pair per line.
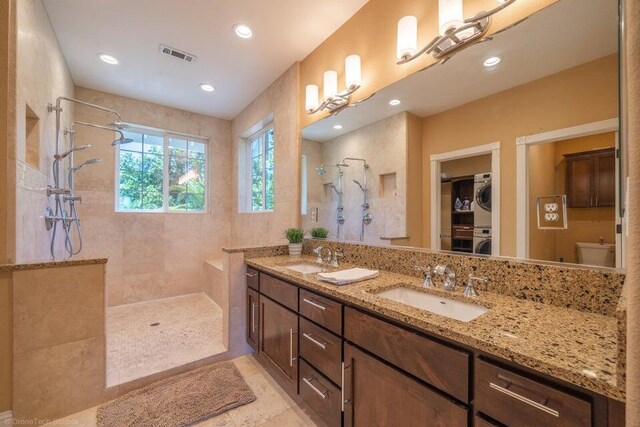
366,216
58,109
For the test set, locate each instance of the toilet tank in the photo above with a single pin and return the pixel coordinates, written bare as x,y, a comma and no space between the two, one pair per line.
603,255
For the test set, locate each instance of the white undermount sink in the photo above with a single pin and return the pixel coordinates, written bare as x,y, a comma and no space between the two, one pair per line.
305,268
462,311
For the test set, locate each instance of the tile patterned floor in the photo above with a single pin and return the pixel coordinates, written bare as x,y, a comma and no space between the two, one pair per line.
189,329
272,408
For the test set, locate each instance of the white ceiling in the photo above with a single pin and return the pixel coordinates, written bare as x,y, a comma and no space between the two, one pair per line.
562,36
285,31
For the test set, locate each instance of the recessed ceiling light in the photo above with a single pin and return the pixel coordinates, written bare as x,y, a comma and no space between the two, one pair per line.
243,31
394,102
207,87
337,127
492,61
111,60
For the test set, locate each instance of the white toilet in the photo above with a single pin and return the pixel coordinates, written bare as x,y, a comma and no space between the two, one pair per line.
596,254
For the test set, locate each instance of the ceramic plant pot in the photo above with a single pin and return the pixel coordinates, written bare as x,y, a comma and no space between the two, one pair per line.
295,249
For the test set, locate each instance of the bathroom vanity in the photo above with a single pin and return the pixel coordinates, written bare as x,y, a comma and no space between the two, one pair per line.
357,358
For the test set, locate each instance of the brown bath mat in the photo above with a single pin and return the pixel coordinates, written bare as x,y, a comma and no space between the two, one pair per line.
180,400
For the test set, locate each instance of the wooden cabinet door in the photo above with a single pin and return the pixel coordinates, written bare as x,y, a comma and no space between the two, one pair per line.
580,182
279,337
605,180
376,394
253,319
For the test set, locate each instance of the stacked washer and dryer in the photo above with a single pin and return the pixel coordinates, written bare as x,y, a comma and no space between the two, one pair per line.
482,214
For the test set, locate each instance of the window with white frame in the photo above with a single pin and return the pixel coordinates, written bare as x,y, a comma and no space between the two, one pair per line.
161,172
260,162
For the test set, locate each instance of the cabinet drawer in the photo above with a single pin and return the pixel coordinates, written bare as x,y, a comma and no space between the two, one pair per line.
279,291
321,310
518,401
322,396
322,349
437,364
253,279
462,231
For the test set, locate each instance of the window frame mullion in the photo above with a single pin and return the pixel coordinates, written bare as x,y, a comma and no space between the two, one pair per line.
165,177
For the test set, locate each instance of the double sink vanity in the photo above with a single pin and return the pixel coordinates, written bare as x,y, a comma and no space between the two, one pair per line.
399,350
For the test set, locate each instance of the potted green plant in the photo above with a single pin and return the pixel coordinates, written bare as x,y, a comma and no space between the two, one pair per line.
295,236
319,233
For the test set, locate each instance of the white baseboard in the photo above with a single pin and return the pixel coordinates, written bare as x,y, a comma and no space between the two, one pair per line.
6,418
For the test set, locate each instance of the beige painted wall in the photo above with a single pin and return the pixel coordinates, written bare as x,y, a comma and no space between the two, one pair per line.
548,176
279,100
371,33
42,76
384,146
151,255
579,95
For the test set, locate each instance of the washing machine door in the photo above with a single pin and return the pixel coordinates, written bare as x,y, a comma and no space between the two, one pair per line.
483,247
483,197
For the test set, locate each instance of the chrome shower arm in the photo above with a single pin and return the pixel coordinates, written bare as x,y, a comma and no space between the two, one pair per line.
91,125
88,104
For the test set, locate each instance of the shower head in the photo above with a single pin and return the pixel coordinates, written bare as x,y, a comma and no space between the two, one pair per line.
119,124
321,170
88,162
121,140
359,185
74,149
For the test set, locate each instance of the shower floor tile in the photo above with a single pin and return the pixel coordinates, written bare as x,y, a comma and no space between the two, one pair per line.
152,336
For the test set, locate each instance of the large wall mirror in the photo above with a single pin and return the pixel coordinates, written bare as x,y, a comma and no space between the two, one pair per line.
509,148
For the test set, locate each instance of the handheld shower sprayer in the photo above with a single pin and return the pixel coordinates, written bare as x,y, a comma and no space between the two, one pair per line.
88,162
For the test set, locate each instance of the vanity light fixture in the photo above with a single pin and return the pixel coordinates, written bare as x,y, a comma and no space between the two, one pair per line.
109,59
207,87
455,31
394,102
492,61
335,101
243,31
337,127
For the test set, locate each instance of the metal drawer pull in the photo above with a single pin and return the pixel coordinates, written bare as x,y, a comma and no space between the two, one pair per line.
291,358
252,274
525,400
253,316
342,386
316,305
315,341
322,394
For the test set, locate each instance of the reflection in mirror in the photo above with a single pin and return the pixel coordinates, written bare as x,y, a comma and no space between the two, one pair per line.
532,111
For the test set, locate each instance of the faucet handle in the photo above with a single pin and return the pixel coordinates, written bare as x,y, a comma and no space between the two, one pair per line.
469,289
318,251
428,281
334,258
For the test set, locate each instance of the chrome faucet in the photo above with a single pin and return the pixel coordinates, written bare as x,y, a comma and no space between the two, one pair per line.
469,290
449,274
427,282
321,259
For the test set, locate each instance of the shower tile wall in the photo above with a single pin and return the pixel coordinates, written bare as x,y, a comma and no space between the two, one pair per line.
41,76
384,145
151,255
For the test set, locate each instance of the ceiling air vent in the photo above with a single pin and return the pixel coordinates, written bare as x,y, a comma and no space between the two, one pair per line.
178,54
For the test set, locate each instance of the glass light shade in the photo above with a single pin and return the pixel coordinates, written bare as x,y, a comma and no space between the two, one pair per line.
311,97
353,71
449,15
407,42
330,86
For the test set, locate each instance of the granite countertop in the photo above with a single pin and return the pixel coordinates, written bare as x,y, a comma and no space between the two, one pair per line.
36,265
578,347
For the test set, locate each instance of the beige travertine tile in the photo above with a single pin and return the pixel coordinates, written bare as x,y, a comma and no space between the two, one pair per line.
55,381
190,329
290,418
57,305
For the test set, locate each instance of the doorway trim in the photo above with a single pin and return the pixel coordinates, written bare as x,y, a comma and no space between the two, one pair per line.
522,175
435,159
